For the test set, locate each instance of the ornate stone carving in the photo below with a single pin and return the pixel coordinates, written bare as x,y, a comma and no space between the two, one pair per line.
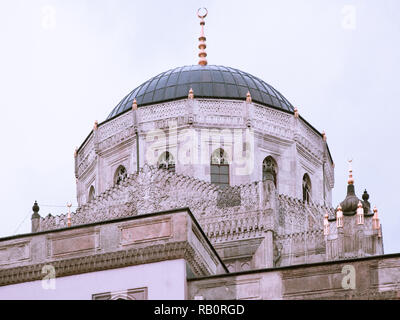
115,126
161,111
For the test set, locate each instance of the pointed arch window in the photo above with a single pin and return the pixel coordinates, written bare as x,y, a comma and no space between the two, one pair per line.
166,161
219,168
120,175
306,188
270,166
92,194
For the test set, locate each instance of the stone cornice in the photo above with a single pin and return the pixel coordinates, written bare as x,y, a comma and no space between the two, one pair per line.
155,237
106,261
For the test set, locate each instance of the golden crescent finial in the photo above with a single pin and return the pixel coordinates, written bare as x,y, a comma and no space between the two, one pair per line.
351,179
202,39
202,16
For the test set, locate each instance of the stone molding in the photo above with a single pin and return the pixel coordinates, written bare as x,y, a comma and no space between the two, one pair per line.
156,237
105,261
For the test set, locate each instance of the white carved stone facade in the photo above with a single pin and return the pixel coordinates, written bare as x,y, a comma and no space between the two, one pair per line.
203,188
252,223
296,147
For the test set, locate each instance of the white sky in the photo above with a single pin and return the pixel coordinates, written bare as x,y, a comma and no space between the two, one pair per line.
59,73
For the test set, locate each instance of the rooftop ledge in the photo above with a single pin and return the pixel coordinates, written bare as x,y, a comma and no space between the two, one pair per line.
111,244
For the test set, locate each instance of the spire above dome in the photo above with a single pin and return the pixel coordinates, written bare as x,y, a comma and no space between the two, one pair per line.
202,38
351,179
350,203
207,81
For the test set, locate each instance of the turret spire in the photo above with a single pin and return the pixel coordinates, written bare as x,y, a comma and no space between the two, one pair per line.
202,38
69,205
351,179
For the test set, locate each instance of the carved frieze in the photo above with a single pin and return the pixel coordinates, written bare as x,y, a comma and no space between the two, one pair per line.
15,252
114,126
66,244
146,231
220,107
161,111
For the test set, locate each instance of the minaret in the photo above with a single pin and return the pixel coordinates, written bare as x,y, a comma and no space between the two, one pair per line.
202,39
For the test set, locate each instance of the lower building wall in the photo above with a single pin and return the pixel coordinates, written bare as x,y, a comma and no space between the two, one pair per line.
365,278
160,280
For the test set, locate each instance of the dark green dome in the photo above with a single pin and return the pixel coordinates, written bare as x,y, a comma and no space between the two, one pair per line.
207,82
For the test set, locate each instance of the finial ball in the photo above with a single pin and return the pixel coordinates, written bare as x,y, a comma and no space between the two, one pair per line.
35,207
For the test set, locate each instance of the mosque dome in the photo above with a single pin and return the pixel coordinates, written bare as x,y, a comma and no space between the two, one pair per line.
207,81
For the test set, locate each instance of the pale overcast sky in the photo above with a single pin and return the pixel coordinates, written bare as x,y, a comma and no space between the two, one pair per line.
66,63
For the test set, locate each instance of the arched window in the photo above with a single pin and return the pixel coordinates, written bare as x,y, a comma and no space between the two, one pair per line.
120,174
219,168
306,188
92,194
270,166
166,161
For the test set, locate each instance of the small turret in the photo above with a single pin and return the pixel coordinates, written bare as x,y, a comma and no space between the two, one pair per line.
339,217
354,230
326,225
375,220
367,205
360,213
191,94
248,97
35,218
134,105
350,203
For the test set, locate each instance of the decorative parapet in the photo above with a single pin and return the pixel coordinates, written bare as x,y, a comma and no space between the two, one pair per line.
273,122
115,126
154,189
300,247
309,140
221,112
233,213
238,226
296,215
161,111
51,222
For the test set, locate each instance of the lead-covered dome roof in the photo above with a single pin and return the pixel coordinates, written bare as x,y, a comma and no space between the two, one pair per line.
207,82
